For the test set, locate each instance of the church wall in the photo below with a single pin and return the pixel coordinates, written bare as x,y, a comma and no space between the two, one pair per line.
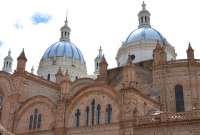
32,89
134,105
106,129
167,79
173,129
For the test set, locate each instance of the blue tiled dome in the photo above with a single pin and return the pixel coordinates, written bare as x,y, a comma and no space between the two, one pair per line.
63,49
145,34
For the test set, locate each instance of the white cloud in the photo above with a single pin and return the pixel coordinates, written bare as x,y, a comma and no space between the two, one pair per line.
39,18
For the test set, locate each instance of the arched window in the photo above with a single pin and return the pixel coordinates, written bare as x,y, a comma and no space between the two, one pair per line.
93,110
62,35
87,115
179,98
35,120
98,113
77,115
109,113
39,120
48,77
31,122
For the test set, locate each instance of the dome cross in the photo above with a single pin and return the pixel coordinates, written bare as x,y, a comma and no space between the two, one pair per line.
143,6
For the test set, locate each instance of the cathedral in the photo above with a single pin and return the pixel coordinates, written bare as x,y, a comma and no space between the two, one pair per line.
150,92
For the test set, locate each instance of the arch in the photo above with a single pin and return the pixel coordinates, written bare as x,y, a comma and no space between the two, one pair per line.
81,81
85,92
179,98
79,84
30,103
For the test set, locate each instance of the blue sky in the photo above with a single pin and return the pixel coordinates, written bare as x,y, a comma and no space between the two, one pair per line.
35,25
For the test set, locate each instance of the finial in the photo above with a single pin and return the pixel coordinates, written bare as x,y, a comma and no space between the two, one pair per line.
59,72
157,41
103,60
32,70
66,73
158,46
143,6
129,61
100,52
9,52
189,46
22,56
66,21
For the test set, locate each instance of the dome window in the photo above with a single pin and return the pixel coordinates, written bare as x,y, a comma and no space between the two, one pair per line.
141,19
97,65
132,57
48,77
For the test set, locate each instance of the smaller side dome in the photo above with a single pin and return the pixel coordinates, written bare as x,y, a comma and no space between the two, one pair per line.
141,42
145,34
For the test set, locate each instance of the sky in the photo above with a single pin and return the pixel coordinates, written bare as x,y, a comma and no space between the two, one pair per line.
35,25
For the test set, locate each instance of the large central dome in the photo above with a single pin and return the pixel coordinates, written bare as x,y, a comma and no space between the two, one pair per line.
141,42
63,49
65,55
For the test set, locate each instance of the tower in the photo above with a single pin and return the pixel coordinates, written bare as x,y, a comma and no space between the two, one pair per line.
21,62
103,66
97,61
7,66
